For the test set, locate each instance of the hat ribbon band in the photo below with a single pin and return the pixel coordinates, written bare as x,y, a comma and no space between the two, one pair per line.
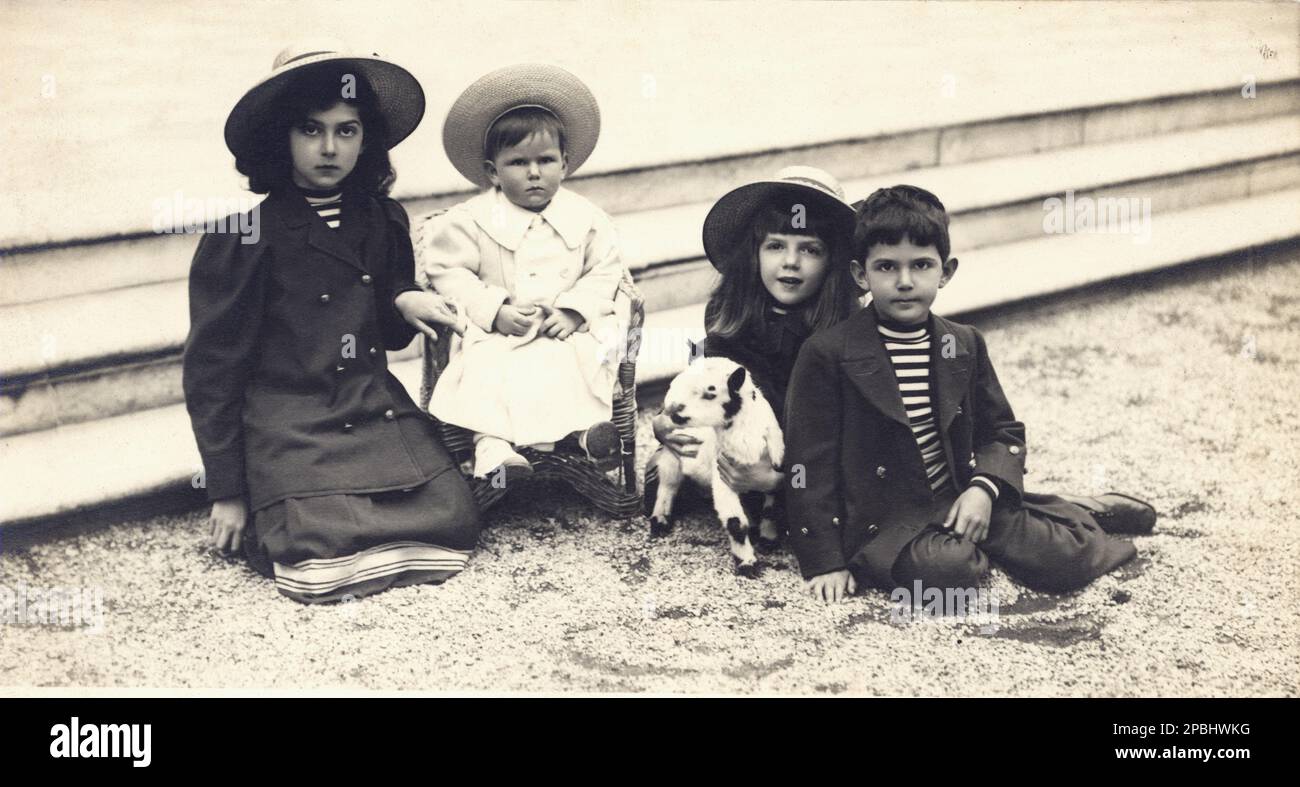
813,183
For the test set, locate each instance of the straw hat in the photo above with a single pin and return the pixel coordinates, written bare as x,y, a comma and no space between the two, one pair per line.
817,190
398,94
464,134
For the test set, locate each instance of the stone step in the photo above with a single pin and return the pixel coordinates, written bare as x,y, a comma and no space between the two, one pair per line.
81,466
31,273
67,353
1048,264
1002,200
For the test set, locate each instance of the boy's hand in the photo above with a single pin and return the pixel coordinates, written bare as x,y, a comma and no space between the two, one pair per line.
757,477
561,323
833,586
514,320
227,520
425,309
969,515
683,444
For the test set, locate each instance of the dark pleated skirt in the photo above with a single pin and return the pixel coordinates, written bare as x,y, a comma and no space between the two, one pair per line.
344,546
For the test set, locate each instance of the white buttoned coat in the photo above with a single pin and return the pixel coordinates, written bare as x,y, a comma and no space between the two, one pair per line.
486,252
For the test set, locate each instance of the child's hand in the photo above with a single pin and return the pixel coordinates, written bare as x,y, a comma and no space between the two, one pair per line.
514,320
969,515
424,309
757,477
833,586
561,323
683,444
227,520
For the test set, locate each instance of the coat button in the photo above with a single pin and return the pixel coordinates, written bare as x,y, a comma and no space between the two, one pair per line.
835,521
1015,449
972,463
325,298
347,427
373,352
338,370
880,472
389,414
872,530
365,278
803,530
958,409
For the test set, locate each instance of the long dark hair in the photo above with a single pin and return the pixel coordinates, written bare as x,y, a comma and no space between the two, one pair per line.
737,305
269,165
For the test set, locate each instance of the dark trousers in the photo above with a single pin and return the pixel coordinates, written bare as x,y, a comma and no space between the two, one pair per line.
1046,544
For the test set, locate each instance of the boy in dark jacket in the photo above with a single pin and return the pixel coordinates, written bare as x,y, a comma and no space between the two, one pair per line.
904,456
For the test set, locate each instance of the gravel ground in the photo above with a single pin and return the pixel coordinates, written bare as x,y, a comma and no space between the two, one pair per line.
1195,370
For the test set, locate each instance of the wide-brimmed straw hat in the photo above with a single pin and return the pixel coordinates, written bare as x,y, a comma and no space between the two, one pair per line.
398,95
728,224
464,134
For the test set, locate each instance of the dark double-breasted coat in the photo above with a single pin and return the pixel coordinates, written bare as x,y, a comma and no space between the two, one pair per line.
285,373
863,494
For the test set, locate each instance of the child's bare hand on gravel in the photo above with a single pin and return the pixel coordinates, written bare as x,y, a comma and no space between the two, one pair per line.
833,586
227,522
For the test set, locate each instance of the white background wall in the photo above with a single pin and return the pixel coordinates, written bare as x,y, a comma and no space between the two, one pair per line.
141,89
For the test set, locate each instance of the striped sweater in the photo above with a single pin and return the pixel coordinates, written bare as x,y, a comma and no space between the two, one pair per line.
328,206
908,348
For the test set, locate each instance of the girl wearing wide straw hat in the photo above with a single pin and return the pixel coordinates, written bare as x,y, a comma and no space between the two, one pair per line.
300,425
782,248
534,268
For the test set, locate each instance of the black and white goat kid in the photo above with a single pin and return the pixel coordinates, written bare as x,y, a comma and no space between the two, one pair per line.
716,400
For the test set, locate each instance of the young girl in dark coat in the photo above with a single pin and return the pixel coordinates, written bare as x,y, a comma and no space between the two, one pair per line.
778,244
302,428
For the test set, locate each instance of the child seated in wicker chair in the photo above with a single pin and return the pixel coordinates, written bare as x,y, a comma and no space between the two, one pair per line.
544,300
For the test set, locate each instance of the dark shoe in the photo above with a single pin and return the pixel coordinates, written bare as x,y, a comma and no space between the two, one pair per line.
510,472
602,444
1119,513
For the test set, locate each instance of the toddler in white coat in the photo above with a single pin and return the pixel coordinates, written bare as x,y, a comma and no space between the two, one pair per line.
533,267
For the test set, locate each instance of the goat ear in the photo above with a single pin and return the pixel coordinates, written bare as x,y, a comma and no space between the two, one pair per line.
736,380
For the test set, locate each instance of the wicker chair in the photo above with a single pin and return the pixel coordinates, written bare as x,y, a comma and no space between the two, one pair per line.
613,488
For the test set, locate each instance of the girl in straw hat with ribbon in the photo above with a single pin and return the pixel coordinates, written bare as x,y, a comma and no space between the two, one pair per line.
300,424
781,245
534,268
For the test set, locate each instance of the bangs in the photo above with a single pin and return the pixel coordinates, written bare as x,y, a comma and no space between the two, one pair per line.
895,223
772,219
518,125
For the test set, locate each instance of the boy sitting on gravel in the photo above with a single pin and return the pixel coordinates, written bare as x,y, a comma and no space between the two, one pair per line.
911,458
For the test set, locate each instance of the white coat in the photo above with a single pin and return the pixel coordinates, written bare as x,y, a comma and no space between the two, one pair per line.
525,389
